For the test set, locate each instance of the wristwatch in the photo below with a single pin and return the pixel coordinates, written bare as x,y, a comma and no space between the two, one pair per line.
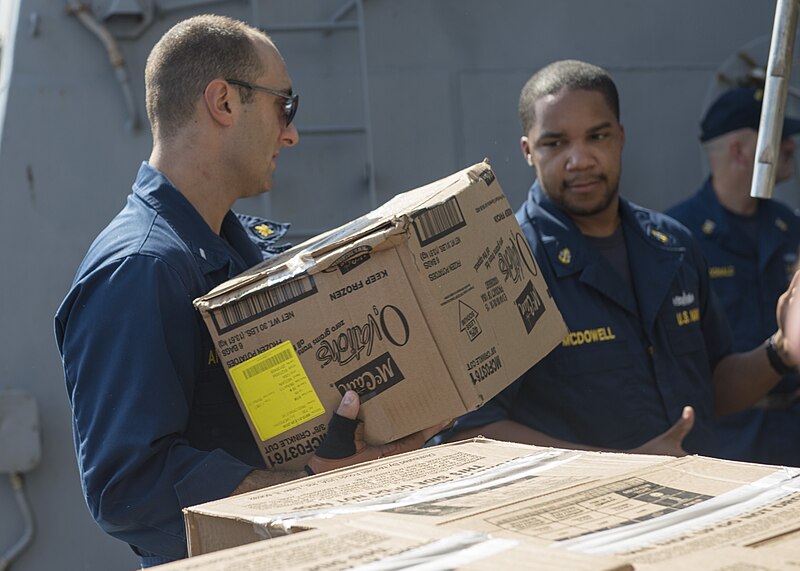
775,359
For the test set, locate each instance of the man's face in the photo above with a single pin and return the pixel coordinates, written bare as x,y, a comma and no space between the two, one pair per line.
575,145
263,129
785,168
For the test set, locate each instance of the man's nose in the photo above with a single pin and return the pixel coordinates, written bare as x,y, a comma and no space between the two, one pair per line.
579,157
289,135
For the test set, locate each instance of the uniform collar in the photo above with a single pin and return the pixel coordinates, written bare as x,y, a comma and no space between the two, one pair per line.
570,251
723,226
210,250
654,253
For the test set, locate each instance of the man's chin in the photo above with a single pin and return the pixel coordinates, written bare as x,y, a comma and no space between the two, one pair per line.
578,209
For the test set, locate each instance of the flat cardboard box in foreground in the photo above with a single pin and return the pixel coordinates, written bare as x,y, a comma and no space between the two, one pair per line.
367,544
428,307
648,511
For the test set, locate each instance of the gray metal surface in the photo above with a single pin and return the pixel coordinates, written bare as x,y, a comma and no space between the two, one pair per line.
444,77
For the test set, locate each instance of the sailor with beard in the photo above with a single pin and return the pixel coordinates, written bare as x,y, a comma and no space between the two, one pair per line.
648,361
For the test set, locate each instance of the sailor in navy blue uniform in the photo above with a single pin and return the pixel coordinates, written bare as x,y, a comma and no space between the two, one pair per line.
156,425
648,360
750,246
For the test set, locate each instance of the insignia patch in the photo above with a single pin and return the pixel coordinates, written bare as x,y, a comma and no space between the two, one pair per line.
263,230
781,224
660,236
686,298
565,256
708,226
716,272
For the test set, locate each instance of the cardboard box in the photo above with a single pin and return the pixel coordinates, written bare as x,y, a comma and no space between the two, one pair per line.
431,486
427,307
732,559
366,544
656,514
645,510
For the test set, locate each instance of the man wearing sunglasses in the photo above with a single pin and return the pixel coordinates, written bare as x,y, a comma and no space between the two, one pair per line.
156,425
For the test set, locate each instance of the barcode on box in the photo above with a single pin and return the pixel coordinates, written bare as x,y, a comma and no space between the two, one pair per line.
438,221
268,363
262,303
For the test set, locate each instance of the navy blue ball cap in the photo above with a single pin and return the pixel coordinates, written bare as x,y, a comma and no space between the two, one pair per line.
739,108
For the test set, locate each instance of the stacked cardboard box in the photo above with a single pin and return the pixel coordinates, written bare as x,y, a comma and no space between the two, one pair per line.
366,543
647,511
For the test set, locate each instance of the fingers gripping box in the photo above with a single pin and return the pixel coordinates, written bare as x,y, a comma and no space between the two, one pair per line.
427,307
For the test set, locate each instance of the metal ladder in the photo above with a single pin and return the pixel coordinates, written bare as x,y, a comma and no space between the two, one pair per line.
334,24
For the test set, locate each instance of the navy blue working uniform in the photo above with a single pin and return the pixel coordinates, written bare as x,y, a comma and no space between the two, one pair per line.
751,261
156,425
636,354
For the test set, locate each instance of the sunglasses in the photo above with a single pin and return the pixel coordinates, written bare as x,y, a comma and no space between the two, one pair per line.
289,100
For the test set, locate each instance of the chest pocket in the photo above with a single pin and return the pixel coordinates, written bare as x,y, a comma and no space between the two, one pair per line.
216,419
213,393
592,358
683,330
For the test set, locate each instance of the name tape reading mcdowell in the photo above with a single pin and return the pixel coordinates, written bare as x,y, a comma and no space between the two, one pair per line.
438,221
260,303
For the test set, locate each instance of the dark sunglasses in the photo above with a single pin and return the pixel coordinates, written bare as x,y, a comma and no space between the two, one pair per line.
289,100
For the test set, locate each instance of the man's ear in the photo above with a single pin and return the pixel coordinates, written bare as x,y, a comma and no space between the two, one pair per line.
736,153
525,145
219,101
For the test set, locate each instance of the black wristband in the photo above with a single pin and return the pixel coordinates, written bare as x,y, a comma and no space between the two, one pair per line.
775,360
339,441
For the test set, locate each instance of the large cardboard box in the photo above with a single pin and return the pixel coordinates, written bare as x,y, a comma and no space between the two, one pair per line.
431,486
368,544
651,511
658,514
427,307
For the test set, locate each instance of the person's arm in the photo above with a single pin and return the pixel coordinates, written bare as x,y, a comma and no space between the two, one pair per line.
258,479
129,337
668,443
512,431
741,379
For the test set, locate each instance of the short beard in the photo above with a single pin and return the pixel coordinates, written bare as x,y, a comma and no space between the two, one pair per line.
574,210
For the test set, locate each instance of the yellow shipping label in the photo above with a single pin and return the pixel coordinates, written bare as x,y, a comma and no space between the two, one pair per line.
276,391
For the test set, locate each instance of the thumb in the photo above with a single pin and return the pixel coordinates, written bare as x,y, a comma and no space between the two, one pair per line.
683,426
349,406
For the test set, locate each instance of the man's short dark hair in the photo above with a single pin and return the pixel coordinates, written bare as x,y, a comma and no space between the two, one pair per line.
569,74
188,57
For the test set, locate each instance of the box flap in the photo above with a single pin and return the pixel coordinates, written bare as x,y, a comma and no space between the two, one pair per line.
391,218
